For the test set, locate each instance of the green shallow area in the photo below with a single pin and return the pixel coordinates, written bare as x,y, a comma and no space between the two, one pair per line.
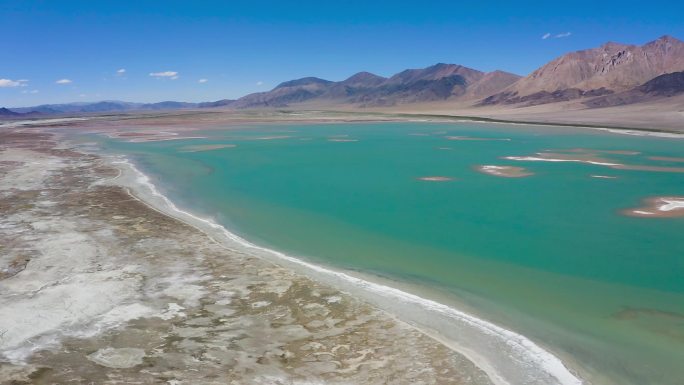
550,255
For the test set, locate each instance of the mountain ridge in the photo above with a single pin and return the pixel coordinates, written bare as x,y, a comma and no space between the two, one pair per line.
610,68
611,74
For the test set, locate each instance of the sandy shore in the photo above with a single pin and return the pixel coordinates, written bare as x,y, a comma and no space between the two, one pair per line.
97,287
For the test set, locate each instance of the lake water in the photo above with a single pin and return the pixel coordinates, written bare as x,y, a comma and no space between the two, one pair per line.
550,255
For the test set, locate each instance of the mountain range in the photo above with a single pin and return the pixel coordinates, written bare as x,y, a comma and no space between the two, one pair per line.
438,82
610,75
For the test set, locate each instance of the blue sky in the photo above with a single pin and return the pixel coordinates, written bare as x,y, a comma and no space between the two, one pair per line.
240,47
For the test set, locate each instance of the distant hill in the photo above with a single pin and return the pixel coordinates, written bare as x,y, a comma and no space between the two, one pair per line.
4,112
107,106
438,82
610,68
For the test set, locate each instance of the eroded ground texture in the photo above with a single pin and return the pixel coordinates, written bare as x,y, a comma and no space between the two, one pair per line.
96,288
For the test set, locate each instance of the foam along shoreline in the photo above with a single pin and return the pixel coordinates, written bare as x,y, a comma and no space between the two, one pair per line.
506,357
659,207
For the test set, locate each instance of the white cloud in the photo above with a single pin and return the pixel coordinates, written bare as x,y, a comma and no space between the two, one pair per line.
546,36
260,83
564,34
173,75
6,83
202,80
121,71
63,81
29,92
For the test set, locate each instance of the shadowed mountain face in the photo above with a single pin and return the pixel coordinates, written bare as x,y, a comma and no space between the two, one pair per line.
608,69
434,83
663,86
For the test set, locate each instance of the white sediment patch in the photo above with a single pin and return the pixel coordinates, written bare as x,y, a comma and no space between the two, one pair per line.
663,207
669,204
274,137
639,132
435,178
539,159
33,172
38,122
505,171
507,357
121,358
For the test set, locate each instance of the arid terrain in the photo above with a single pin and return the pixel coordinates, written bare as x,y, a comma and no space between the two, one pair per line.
100,288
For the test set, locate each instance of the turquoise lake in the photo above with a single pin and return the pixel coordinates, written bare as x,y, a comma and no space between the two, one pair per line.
550,255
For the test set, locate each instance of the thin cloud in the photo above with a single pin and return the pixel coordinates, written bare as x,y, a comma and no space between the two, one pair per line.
550,35
202,80
6,83
64,81
173,75
29,92
260,83
121,71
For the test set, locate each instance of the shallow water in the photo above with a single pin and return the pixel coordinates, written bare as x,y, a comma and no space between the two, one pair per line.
549,255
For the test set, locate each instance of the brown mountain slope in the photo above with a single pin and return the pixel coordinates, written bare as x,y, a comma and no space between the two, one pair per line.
613,67
491,83
436,72
663,86
285,93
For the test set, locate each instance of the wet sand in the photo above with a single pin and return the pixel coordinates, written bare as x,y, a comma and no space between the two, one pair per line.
97,287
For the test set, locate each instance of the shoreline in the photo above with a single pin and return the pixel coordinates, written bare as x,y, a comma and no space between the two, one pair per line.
318,116
553,369
113,291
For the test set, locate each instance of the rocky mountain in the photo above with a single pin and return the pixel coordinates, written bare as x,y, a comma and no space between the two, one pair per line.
491,83
293,91
438,82
610,68
663,86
